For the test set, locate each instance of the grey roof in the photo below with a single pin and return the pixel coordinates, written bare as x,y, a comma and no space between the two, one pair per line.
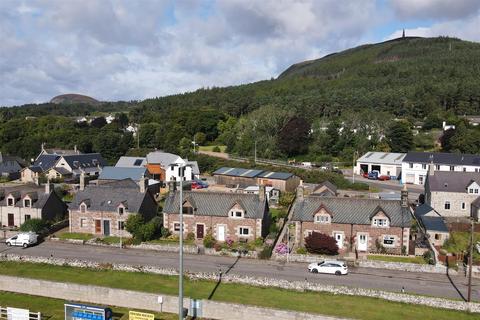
116,173
430,223
238,172
476,203
88,160
162,158
62,170
46,161
37,194
60,152
217,203
108,196
9,164
195,168
351,210
443,158
275,175
452,181
36,169
131,162
382,157
327,184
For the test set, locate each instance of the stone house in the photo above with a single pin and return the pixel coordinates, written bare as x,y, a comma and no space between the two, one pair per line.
10,167
235,216
19,204
356,224
103,209
432,224
451,193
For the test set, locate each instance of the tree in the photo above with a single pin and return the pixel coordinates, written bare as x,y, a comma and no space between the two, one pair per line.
185,147
321,244
34,225
122,119
400,137
200,138
99,122
294,136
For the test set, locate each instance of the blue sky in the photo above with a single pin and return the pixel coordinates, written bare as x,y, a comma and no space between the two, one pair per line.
136,49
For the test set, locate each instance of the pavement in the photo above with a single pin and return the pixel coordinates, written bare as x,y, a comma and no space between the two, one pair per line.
438,285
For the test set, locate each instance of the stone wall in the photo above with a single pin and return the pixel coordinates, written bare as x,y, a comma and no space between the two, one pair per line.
409,267
261,282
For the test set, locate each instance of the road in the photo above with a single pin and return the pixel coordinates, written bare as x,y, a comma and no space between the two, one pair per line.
439,285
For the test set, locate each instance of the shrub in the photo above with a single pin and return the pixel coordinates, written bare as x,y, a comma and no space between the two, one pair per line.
140,230
216,149
164,232
217,247
428,257
258,242
148,231
266,253
190,236
229,242
209,241
302,250
321,244
286,198
134,223
273,228
380,247
34,225
281,248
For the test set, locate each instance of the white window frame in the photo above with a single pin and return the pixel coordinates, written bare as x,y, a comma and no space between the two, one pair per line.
82,220
242,233
178,223
463,206
322,219
120,208
410,165
389,237
121,225
234,212
380,222
83,208
25,204
12,202
447,203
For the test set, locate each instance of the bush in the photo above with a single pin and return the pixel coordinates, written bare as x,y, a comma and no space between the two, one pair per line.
134,223
217,247
164,232
140,230
281,248
258,242
380,247
321,244
190,236
216,149
302,250
34,225
266,253
148,231
286,198
428,257
209,241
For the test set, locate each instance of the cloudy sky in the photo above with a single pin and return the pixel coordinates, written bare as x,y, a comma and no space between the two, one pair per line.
135,49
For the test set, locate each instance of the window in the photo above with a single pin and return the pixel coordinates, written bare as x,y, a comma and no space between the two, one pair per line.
176,227
463,206
243,231
464,169
424,166
389,241
410,165
83,208
10,202
322,218
27,203
138,162
452,168
476,169
187,210
121,210
236,214
28,217
437,236
121,225
470,190
447,205
475,190
437,167
83,222
380,222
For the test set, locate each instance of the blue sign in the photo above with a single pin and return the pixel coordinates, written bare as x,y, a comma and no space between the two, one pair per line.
75,311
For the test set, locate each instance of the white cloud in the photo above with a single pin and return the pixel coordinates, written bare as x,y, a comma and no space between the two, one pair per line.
435,9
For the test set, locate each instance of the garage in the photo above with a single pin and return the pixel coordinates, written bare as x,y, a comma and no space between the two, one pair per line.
387,163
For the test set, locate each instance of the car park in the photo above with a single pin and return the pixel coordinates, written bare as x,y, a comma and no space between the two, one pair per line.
22,240
335,267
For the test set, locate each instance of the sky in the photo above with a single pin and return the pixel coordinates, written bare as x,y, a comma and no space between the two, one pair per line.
137,49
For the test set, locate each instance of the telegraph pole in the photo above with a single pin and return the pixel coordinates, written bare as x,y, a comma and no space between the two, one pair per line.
470,261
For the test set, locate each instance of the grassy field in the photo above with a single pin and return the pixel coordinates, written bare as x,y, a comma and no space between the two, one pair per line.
210,148
75,236
460,242
324,303
417,260
53,308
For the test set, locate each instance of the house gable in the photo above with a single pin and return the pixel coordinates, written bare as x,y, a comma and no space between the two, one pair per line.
379,218
237,211
473,188
322,215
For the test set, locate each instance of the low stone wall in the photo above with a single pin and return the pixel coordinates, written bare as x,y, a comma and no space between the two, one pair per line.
249,254
167,247
294,257
409,267
261,282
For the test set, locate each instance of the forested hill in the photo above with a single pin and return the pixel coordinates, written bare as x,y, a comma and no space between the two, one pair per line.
406,77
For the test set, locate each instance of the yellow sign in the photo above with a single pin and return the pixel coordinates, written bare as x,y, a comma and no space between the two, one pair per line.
135,315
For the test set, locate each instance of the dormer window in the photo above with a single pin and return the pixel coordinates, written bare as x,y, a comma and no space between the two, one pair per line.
187,210
380,222
322,218
121,210
27,203
236,214
83,208
10,202
76,164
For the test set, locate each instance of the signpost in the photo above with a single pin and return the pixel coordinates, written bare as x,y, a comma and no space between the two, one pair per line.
74,311
135,315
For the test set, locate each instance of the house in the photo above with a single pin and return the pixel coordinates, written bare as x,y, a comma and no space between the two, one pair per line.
432,223
282,181
19,204
103,209
42,164
131,162
452,193
235,216
164,166
473,120
10,167
272,194
89,163
387,163
361,225
446,126
109,119
415,164
111,174
326,189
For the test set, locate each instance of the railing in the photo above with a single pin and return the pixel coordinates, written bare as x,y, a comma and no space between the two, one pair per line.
4,314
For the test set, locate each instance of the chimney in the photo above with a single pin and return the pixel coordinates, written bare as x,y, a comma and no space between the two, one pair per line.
404,197
300,193
48,187
82,181
431,169
143,184
261,193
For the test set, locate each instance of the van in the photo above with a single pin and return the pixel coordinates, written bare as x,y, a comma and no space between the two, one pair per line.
22,240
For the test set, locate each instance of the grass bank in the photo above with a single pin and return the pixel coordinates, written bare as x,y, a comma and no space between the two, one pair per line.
53,308
315,302
75,236
417,260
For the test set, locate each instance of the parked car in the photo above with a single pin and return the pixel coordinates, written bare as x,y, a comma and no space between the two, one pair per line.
365,174
196,185
373,175
383,177
22,240
329,266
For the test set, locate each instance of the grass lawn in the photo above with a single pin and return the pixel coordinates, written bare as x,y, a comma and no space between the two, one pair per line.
210,148
53,308
278,213
324,303
171,241
75,236
112,240
417,260
460,242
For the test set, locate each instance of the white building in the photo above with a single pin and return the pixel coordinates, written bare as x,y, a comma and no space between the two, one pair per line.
164,166
387,163
415,164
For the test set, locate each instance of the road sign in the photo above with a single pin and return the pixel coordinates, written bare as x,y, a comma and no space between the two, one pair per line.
17,314
75,311
135,315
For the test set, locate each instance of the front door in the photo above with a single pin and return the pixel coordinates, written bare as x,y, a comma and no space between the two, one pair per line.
339,239
11,220
221,233
362,242
200,230
106,227
98,226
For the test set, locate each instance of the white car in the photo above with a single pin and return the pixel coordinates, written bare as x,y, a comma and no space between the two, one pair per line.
329,266
22,240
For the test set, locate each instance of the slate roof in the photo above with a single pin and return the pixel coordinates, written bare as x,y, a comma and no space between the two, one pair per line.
195,168
452,181
252,173
327,184
275,175
116,173
108,196
351,210
443,158
217,203
37,194
88,160
162,158
46,161
61,152
131,162
430,223
61,170
382,157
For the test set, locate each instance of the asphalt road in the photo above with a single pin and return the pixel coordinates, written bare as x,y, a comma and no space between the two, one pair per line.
418,283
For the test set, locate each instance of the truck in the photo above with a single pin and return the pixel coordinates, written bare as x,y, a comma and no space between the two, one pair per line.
25,239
